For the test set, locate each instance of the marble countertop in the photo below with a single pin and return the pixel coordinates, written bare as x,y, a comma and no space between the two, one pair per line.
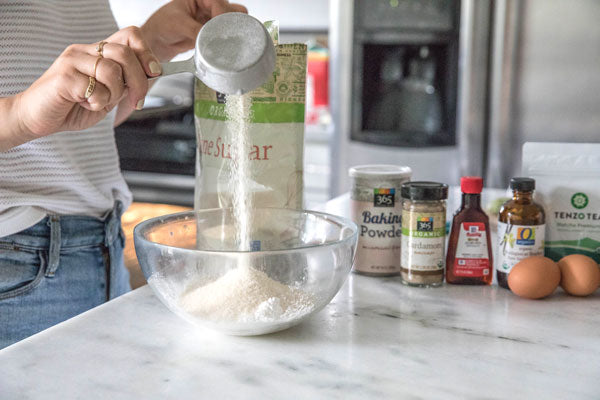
376,339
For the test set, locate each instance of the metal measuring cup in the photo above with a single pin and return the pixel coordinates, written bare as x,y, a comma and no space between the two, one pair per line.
234,54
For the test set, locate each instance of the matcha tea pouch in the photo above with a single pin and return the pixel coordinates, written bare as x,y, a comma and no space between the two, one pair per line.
567,179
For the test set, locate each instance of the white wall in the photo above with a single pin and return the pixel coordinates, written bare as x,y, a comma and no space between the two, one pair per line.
134,12
292,14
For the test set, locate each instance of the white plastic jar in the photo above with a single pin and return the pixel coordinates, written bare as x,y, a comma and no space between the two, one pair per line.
376,207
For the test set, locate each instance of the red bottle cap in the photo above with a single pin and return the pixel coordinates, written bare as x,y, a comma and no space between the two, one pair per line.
471,184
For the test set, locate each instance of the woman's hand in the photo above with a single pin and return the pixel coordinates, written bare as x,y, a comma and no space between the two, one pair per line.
56,101
173,28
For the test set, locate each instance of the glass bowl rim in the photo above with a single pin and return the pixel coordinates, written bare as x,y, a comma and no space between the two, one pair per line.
342,221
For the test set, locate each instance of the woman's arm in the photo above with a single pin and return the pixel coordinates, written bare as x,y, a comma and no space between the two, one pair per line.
173,28
12,130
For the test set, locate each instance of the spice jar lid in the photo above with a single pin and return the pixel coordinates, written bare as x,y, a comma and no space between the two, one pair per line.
524,184
424,190
378,170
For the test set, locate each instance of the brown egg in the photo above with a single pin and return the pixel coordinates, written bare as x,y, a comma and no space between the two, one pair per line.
580,274
534,277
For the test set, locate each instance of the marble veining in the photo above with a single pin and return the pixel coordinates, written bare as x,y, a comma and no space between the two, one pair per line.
376,339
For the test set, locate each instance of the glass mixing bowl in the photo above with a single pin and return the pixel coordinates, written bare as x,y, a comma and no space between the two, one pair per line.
190,259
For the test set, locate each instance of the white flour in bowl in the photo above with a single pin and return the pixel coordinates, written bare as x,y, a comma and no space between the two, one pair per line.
245,294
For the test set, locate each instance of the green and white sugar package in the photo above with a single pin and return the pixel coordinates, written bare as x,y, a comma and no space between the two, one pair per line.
275,137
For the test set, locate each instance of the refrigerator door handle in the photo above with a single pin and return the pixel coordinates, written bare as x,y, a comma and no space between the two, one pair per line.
471,116
503,148
341,36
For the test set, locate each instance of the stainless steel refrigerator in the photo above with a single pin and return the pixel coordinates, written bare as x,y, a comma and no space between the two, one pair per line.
455,88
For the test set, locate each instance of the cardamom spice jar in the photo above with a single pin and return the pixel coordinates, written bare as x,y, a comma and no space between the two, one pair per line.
376,208
423,233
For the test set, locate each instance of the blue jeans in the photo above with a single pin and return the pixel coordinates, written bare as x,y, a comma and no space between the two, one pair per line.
58,268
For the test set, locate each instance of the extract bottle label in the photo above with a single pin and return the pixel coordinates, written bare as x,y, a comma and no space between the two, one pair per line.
423,241
516,242
472,258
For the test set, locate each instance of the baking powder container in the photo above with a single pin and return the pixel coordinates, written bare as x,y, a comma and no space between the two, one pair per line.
377,210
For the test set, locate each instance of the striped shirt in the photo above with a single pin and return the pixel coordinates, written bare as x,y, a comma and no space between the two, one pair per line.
68,173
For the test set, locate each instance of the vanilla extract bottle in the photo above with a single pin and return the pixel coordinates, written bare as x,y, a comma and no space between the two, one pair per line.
521,228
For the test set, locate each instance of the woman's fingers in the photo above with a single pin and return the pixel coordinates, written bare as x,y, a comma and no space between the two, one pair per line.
133,38
77,85
100,98
129,48
107,72
218,7
123,69
110,73
238,8
132,71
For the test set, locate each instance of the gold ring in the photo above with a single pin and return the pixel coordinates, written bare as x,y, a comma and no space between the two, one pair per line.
96,65
90,88
100,48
